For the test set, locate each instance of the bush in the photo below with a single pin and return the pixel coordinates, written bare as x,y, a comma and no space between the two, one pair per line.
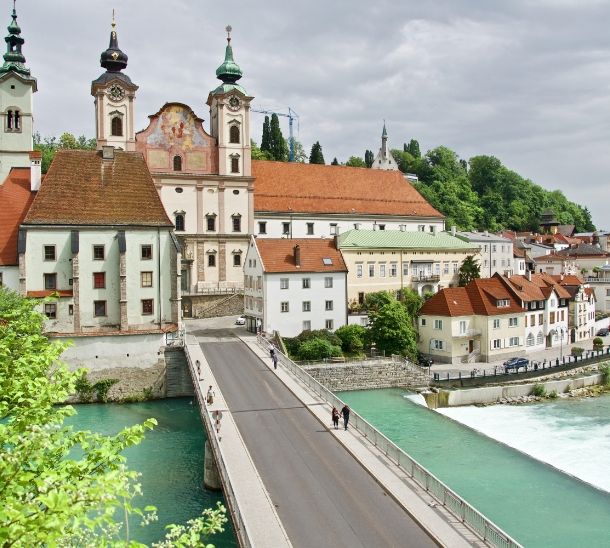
577,351
598,342
352,338
323,334
318,349
292,345
553,394
538,390
605,371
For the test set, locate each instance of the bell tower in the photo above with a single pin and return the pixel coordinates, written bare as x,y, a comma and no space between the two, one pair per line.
16,108
230,118
114,94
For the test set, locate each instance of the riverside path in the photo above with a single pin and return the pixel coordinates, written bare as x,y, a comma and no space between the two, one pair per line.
321,494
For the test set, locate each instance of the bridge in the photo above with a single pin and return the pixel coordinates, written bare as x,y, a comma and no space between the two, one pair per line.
290,480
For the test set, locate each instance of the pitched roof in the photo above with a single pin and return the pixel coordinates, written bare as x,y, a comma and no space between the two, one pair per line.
16,198
479,297
567,279
313,188
278,255
581,250
82,189
539,288
398,239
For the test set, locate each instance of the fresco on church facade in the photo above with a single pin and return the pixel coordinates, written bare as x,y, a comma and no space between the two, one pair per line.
176,126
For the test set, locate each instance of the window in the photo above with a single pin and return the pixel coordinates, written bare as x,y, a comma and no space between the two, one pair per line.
146,252
462,327
513,322
446,267
179,189
540,319
371,270
454,265
333,229
1,281
236,259
307,325
211,259
99,308
421,228
382,270
552,318
381,227
147,307
359,272
502,303
431,228
496,343
284,283
9,119
513,341
328,281
493,248
310,229
146,279
438,324
306,306
530,340
532,320
98,252
234,165
179,222
607,292
393,270
262,227
306,283
50,281
116,127
496,323
234,134
525,320
437,344
286,229
539,338
493,262
284,306
405,269
50,310
99,280
49,252
423,322
329,324
236,223
177,163
71,310
328,305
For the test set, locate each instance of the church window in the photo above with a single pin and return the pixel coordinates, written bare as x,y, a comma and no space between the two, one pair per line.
234,134
177,163
236,259
17,120
234,164
9,119
116,129
211,223
211,259
236,223
180,222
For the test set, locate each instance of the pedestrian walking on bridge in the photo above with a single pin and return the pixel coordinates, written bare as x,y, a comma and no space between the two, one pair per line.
274,358
345,412
210,396
335,417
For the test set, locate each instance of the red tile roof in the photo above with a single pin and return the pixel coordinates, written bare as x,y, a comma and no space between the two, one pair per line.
479,297
278,255
15,200
313,188
82,189
539,288
567,279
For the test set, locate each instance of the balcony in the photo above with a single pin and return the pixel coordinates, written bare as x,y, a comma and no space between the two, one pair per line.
426,278
594,280
468,334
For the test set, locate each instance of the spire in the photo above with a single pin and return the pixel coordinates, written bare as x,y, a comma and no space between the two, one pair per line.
384,133
13,58
229,72
113,59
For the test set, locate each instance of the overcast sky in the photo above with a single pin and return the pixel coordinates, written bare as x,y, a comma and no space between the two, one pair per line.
527,81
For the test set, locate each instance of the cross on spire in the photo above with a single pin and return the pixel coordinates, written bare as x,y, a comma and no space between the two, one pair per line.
229,28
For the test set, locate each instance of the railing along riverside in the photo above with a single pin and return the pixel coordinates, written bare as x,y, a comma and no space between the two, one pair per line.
484,527
241,530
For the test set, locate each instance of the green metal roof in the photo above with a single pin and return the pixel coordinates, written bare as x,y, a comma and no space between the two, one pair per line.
397,239
226,88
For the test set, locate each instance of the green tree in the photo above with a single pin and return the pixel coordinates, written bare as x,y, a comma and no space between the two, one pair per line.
412,148
352,338
59,486
300,156
318,349
377,299
355,161
258,154
316,156
277,144
391,329
369,158
49,145
266,137
335,162
469,270
412,301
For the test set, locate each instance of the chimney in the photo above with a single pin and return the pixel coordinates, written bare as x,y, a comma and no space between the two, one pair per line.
107,152
453,230
529,275
35,170
297,256
486,233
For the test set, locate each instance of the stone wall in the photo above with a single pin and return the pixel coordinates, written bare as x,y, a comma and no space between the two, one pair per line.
179,382
211,306
361,376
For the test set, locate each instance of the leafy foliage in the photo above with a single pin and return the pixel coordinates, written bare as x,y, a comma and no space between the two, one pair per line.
335,162
300,155
469,270
316,156
258,154
49,145
411,300
392,331
377,300
369,158
538,390
318,349
352,338
355,161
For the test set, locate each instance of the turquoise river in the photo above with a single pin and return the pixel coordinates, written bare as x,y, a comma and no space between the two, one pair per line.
534,502
170,460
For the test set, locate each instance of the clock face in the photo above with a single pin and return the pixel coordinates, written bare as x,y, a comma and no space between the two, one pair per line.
234,102
116,92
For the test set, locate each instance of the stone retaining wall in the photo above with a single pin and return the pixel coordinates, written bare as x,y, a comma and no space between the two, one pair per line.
212,306
341,376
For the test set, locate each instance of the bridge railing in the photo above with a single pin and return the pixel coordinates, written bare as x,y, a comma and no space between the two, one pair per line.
488,531
241,531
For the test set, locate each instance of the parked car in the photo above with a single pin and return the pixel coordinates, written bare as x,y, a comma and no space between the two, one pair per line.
240,321
602,332
515,363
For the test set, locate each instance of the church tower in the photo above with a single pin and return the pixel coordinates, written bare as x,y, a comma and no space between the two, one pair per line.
230,118
384,159
114,94
16,89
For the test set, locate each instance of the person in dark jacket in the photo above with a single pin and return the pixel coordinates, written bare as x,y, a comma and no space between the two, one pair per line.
335,417
345,412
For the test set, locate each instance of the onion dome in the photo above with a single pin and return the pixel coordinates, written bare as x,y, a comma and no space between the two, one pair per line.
229,72
113,59
13,58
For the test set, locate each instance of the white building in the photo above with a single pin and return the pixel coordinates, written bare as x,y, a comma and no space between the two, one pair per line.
583,304
384,159
294,285
495,252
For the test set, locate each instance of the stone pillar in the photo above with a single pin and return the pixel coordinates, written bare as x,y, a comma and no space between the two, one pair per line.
222,261
123,289
76,293
211,477
250,208
200,262
221,209
200,213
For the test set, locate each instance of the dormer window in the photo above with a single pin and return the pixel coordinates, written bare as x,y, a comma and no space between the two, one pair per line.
177,163
116,127
503,303
234,134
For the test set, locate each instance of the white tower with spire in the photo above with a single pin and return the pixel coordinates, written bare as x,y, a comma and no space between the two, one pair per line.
384,158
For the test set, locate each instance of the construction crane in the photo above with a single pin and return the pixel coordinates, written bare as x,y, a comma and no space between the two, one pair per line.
292,115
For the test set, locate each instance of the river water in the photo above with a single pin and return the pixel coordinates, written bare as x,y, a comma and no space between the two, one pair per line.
538,505
170,460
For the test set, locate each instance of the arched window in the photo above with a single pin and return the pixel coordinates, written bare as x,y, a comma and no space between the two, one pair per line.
179,222
17,120
235,164
530,340
9,119
177,163
236,259
116,128
540,338
234,134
